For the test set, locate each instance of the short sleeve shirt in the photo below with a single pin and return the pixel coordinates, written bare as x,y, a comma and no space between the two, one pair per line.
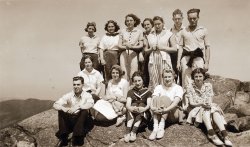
176,34
133,37
172,92
91,79
117,89
89,44
109,42
191,40
139,95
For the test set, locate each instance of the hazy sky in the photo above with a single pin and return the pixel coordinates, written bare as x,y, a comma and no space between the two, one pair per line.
39,52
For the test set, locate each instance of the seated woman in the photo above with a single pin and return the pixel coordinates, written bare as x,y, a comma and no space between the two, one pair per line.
164,105
138,103
199,95
92,78
113,103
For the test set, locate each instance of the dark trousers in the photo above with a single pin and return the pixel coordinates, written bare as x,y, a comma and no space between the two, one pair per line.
71,123
95,61
173,57
143,67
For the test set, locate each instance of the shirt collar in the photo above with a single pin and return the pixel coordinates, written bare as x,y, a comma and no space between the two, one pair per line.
92,37
174,28
197,28
92,72
134,30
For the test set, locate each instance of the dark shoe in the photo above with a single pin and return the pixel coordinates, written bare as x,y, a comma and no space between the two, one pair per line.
78,141
62,142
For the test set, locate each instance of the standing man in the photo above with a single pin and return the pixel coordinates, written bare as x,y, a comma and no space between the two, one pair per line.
73,112
175,38
194,51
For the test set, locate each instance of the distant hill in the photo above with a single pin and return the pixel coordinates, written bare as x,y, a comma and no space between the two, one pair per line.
13,111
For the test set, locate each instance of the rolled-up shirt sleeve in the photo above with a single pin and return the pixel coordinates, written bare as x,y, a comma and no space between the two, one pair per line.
61,102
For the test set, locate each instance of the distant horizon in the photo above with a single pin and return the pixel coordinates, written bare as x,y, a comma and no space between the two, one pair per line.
39,52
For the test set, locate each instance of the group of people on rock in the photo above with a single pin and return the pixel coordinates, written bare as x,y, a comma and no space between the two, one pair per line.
139,73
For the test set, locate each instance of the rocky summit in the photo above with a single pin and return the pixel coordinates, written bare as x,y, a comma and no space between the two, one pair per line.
232,95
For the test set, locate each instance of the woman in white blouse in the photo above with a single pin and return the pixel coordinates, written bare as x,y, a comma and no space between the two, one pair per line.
159,44
92,78
109,55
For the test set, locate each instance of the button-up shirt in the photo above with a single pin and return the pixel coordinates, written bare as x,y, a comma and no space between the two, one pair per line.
89,44
191,40
70,100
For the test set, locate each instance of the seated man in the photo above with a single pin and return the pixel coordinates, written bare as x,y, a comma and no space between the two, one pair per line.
73,112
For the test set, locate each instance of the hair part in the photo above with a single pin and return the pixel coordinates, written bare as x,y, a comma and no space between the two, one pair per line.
117,27
136,74
90,24
177,11
158,18
194,10
88,57
148,19
199,70
136,19
78,78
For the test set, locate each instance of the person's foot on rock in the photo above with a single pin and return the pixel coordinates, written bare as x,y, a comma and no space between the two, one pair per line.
120,120
152,135
227,141
126,137
215,140
132,136
160,133
62,142
77,141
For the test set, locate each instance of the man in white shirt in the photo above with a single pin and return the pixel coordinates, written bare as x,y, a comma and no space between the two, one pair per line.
73,112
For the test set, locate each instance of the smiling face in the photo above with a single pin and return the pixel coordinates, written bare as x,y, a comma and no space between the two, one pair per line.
115,74
168,79
91,30
88,64
193,19
177,20
147,26
198,78
138,82
77,86
158,25
130,22
111,28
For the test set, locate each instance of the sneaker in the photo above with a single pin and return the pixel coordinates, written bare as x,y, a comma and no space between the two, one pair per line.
227,141
120,120
126,137
215,140
132,136
160,133
152,135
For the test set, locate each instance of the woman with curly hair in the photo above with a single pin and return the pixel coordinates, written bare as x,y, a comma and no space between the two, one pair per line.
199,95
109,55
130,44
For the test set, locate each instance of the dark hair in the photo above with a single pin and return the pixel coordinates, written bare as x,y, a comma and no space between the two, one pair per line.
194,10
136,73
88,57
136,19
119,69
78,78
158,18
113,22
199,70
169,70
90,24
177,11
147,19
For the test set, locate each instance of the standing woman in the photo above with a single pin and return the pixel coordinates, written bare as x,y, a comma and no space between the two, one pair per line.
148,25
109,48
88,45
203,110
92,78
159,59
130,43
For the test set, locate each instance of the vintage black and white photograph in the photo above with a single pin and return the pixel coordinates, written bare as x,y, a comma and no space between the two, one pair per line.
117,73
